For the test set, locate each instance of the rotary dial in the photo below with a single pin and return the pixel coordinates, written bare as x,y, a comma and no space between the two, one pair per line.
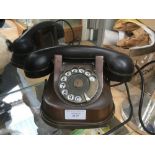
78,85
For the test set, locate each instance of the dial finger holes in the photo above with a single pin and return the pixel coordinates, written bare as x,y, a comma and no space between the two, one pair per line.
92,78
63,78
81,70
74,70
88,73
78,99
64,92
62,85
68,73
70,97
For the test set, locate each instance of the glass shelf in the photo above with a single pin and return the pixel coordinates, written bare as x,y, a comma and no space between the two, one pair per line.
25,119
148,110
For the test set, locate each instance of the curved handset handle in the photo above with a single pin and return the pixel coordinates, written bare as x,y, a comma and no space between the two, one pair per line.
37,37
118,66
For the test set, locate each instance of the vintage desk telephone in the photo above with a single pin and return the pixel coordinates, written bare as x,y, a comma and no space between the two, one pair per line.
77,93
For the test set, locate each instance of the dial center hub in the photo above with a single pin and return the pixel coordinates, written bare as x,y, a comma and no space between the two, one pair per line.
78,83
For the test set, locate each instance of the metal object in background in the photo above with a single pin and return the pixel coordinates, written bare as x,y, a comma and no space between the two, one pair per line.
103,25
93,24
101,30
97,28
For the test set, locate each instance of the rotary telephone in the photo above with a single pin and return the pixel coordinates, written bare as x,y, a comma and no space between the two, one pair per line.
77,93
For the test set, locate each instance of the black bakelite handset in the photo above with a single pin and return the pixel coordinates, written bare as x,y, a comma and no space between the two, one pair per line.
77,93
42,35
117,66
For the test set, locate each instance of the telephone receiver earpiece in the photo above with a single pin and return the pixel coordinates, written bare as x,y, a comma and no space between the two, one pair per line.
118,66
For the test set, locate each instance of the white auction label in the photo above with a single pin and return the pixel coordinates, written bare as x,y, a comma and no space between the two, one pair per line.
75,114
